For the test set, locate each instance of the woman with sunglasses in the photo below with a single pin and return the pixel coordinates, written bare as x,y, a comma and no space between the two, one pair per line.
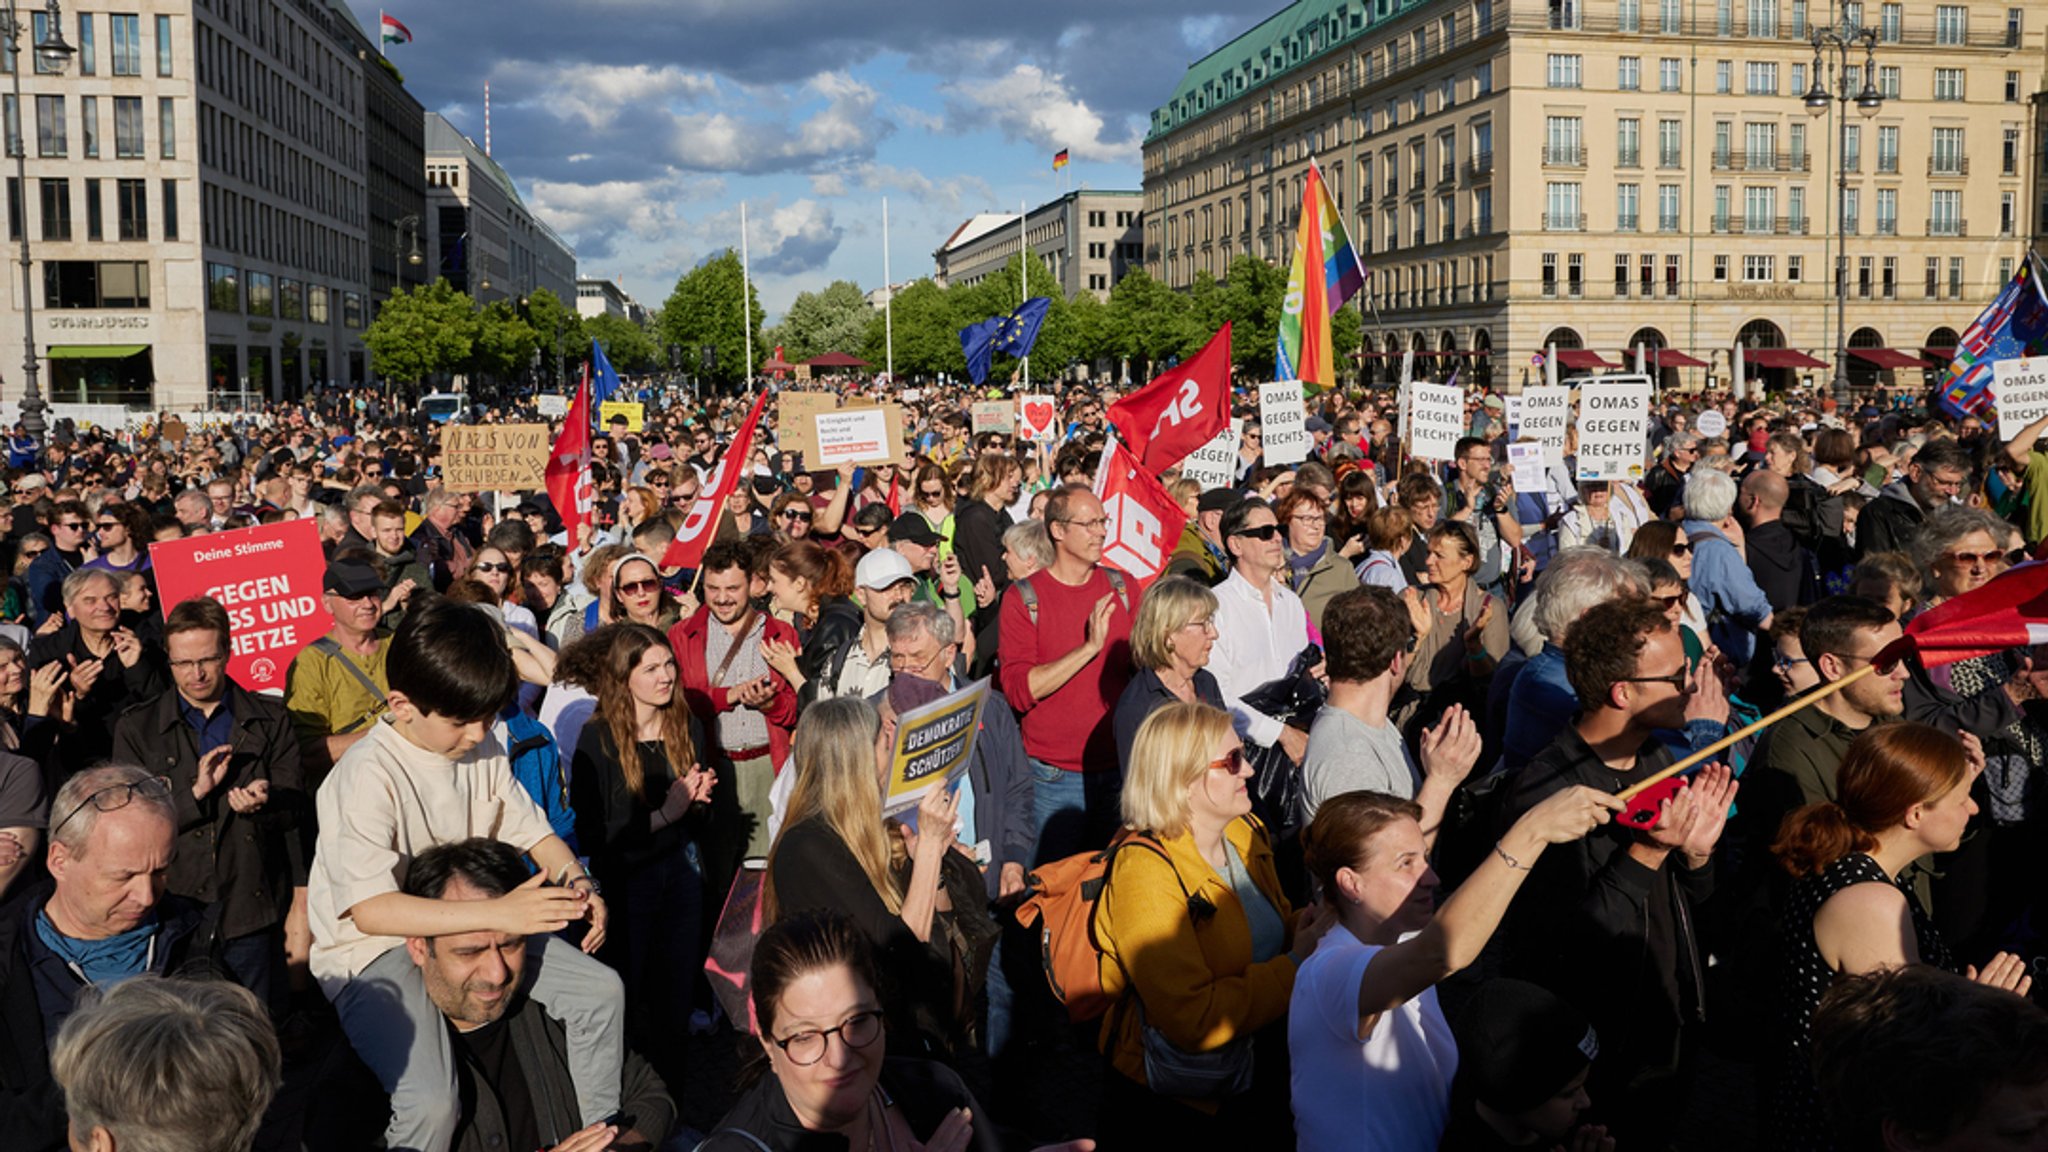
791,518
932,494
1959,550
639,597
495,570
1201,946
1665,540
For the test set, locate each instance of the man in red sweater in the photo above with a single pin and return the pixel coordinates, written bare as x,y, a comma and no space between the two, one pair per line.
1066,645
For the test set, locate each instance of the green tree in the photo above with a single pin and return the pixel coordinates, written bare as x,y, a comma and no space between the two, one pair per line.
1252,291
1149,321
559,331
705,308
504,343
422,333
927,342
833,319
627,345
1089,322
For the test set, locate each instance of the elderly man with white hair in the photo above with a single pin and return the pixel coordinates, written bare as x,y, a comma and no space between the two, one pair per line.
1541,702
1737,609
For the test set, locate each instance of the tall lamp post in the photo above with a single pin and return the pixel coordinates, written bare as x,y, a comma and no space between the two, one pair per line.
1843,39
404,227
52,54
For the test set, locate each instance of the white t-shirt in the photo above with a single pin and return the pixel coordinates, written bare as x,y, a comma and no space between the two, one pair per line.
1390,1092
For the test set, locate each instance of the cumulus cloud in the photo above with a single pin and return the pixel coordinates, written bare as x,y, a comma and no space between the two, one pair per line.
1032,104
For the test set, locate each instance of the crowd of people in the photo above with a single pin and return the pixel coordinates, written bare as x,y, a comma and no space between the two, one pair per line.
1352,764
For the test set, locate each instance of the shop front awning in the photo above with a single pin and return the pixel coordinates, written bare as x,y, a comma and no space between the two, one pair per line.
1889,358
1780,358
1582,358
1666,358
96,351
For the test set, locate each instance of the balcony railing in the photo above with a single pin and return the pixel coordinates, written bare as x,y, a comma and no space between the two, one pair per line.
1887,164
1449,175
1667,223
1564,222
1629,158
1565,155
1761,225
1939,165
1393,188
1733,161
1940,227
1479,166
1887,227
1627,222
1670,161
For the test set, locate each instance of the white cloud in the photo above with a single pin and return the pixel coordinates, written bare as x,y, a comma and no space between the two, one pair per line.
596,93
1036,105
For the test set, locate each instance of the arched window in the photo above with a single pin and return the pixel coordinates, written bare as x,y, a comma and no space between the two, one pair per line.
1563,338
1761,334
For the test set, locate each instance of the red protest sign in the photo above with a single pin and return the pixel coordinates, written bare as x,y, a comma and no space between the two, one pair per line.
268,578
1144,520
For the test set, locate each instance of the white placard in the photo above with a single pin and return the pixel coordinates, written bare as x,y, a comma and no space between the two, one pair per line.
2020,389
1511,414
1526,458
1038,418
851,436
1546,413
552,407
1214,465
1283,422
1614,430
1712,424
1436,420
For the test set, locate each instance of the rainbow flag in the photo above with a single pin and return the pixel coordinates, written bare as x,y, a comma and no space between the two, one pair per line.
1320,241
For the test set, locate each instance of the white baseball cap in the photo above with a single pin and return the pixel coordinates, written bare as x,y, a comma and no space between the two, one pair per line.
882,568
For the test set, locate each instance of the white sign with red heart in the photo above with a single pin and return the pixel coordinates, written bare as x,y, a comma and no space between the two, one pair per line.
1038,418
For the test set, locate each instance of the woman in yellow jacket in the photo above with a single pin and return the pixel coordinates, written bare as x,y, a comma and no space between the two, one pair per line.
1201,946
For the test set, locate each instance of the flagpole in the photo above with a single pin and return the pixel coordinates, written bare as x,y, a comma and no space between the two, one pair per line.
746,297
1813,697
382,44
888,300
1023,277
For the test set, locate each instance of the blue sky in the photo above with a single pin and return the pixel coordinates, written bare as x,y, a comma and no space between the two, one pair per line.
636,127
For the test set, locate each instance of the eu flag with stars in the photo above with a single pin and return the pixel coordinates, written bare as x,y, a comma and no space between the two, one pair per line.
2013,327
978,341
604,381
1019,330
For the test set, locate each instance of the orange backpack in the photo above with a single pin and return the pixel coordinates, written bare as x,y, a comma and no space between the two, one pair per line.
1062,900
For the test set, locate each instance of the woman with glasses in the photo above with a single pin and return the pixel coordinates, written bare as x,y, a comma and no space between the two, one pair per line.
494,570
1200,945
791,518
1314,569
833,853
1170,644
638,596
14,605
1959,549
1665,540
812,587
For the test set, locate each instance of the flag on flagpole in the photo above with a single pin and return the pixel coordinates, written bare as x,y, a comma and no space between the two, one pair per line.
1059,159
1183,409
2010,611
606,380
1324,274
568,470
701,522
2014,326
391,31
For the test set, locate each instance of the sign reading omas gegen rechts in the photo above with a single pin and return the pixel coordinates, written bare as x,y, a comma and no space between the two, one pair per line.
2020,389
1614,429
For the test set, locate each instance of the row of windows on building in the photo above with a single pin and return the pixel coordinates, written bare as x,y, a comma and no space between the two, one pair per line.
263,160
124,31
1101,218
58,220
253,227
230,289
332,127
1761,78
280,30
53,128
1638,275
1951,21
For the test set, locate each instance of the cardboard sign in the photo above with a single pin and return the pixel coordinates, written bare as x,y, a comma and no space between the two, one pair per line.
1214,465
2020,389
1038,418
552,407
851,436
994,416
268,579
1283,422
174,430
1436,420
892,424
794,429
1614,430
1546,413
1526,459
494,457
933,746
633,411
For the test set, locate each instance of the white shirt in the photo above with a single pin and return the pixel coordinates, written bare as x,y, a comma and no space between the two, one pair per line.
1254,646
1389,1092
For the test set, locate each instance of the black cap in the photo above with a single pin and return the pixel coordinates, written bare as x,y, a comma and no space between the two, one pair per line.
350,579
1519,1044
1218,500
914,528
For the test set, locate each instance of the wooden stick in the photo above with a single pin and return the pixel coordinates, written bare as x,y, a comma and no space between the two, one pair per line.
1813,697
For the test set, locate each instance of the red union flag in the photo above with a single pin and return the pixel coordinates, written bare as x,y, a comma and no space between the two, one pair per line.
702,522
1144,521
268,579
1180,410
568,470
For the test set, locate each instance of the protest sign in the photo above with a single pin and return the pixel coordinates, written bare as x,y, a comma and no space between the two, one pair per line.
633,411
1526,459
1436,419
995,416
1038,418
2020,389
268,579
933,744
1511,411
1214,465
892,425
552,407
794,429
1712,423
1546,412
851,436
1145,521
1614,430
1283,423
494,457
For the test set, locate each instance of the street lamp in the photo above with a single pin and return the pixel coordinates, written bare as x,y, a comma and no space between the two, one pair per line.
1842,39
53,54
404,227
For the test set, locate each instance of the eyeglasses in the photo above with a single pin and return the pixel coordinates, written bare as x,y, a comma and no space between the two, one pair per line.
1784,663
932,493
1972,559
1089,525
856,1031
1232,762
1667,602
115,797
794,514
1262,532
70,525
639,587
491,566
196,665
1679,680
106,524
1680,548
1309,518
32,553
1201,623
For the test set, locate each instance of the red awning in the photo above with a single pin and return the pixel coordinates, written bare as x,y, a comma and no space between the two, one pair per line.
1668,358
1948,353
1780,358
1889,358
1582,358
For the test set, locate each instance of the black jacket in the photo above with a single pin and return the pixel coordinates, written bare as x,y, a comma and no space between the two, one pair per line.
925,1090
248,863
1783,568
90,737
978,541
1889,523
825,649
37,993
543,1046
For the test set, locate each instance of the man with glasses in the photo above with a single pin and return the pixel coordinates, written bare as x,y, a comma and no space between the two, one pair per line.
1261,625
100,916
362,504
233,763
1607,921
1935,477
1665,484
1797,757
1066,644
70,547
110,666
336,686
1487,502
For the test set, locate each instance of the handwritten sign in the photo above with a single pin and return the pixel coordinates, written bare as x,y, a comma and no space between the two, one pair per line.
933,746
994,416
851,436
551,406
1614,430
1214,465
633,411
2020,388
1038,419
494,457
1283,423
1546,413
268,579
1436,419
795,431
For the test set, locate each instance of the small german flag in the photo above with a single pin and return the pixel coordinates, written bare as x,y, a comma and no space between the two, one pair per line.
1059,159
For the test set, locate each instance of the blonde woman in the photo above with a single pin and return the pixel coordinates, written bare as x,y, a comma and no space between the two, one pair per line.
833,854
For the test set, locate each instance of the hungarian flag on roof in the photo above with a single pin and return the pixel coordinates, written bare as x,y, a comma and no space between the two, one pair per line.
2010,611
392,30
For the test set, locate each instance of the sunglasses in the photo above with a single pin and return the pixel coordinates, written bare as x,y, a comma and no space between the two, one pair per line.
933,493
1974,558
491,566
1262,532
1232,762
1681,548
639,587
794,514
